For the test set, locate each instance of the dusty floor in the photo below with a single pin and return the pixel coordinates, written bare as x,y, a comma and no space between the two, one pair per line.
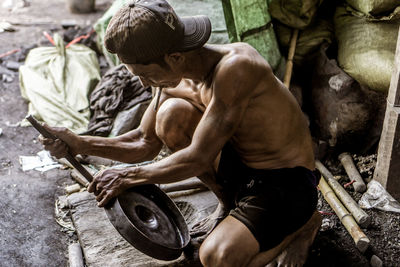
29,234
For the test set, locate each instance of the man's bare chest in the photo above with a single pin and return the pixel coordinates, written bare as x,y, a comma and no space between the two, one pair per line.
198,94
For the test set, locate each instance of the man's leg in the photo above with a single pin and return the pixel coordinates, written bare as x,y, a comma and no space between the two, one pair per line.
176,122
294,249
232,244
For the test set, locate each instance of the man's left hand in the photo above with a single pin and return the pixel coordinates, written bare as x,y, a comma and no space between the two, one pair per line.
108,184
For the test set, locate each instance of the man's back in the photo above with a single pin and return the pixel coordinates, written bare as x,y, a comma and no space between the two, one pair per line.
272,132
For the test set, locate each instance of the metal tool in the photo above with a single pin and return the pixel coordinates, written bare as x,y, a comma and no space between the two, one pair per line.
144,215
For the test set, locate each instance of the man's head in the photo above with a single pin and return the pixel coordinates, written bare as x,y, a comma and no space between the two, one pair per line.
145,30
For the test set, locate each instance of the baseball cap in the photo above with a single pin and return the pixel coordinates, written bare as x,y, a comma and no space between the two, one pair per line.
145,30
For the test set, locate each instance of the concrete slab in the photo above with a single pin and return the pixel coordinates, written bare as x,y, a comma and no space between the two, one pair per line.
102,245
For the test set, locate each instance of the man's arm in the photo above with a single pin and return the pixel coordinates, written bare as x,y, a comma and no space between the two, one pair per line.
233,87
134,146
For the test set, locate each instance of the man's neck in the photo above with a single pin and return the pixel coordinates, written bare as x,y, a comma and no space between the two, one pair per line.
200,63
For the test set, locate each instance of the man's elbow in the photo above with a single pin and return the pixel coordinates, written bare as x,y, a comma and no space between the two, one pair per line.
201,164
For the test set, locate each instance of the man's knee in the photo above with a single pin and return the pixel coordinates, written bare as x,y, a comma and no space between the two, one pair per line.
175,123
213,254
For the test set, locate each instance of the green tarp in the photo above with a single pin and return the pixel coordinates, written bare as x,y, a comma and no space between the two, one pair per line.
100,27
249,21
57,82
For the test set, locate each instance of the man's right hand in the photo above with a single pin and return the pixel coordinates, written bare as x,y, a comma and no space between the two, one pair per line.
66,141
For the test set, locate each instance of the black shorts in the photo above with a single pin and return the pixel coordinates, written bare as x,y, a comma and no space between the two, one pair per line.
271,203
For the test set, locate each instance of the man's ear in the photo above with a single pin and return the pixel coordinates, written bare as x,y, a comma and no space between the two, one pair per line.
174,59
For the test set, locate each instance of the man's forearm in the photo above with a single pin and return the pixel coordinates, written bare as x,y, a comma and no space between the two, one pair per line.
125,149
176,167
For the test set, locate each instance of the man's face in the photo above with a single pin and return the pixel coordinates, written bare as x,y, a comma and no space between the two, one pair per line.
155,75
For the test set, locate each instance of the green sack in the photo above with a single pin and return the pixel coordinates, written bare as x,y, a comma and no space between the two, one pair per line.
308,41
294,13
57,82
366,48
374,7
101,26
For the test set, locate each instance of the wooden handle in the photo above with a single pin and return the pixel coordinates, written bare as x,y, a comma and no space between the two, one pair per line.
68,157
352,172
360,239
183,185
289,63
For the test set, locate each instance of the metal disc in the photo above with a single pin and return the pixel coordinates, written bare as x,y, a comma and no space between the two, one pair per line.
149,220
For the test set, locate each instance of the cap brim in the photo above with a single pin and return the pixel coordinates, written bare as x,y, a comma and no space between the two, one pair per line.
197,32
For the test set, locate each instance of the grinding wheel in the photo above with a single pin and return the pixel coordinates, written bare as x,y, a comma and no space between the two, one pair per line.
150,221
144,215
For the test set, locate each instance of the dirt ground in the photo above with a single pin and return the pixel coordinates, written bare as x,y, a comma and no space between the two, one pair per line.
29,234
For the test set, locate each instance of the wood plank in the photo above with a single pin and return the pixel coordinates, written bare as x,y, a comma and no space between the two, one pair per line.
102,245
387,170
394,90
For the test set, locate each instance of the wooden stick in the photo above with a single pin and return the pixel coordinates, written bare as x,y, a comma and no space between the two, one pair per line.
75,255
183,185
79,178
352,172
359,214
289,63
360,239
72,188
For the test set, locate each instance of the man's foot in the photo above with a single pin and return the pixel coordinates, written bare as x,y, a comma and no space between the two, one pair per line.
203,228
295,254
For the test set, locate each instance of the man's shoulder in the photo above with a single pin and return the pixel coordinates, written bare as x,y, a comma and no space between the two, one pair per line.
242,59
243,55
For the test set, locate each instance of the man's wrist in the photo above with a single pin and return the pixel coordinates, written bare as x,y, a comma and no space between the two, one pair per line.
132,176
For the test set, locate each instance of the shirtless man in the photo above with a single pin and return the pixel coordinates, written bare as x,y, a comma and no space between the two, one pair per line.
228,120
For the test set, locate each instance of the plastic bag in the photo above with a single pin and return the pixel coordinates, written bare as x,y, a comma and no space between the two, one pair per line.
377,197
57,81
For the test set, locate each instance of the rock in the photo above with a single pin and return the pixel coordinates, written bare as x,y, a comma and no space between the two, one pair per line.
102,245
347,115
68,23
13,65
375,261
6,78
6,71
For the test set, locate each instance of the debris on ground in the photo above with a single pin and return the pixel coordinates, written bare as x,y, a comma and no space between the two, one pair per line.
6,27
63,216
377,197
42,162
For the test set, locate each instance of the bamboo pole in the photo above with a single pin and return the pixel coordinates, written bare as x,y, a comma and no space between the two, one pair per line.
183,185
362,218
72,188
352,172
79,178
75,255
289,63
360,239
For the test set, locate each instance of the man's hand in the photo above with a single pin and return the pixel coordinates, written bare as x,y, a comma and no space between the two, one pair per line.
108,184
66,141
